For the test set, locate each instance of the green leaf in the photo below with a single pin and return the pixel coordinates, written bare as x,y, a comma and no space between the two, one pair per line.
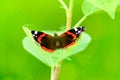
51,59
88,8
107,5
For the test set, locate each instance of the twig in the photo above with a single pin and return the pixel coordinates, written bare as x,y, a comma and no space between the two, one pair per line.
68,12
64,5
80,21
57,70
69,15
52,73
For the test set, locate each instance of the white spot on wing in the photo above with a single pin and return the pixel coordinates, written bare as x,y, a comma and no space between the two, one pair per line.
33,35
79,31
75,29
35,32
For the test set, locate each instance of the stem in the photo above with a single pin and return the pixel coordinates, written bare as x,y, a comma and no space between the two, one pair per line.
80,21
57,70
52,73
69,15
64,5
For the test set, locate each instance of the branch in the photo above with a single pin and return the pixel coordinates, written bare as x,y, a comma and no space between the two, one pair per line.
52,73
80,21
57,70
69,15
68,12
64,5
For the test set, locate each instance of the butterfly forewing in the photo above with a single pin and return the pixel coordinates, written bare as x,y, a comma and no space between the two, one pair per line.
46,41
69,37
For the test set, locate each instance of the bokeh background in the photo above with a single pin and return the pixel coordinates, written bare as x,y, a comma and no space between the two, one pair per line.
100,60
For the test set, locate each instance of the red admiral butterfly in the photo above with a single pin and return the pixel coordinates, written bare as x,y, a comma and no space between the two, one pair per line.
50,43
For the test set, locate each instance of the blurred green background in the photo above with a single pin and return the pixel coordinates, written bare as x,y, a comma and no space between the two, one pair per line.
100,60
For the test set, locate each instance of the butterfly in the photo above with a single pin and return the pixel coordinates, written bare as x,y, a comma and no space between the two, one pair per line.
51,43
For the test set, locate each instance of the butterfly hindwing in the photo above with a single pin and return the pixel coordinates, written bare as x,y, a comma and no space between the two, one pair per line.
66,39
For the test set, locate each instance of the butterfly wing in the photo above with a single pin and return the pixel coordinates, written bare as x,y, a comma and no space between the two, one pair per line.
46,41
69,37
50,44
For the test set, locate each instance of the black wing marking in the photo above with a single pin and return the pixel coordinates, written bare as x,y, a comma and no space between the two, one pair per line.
77,31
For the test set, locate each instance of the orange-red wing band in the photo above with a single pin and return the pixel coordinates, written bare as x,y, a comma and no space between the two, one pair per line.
40,37
72,34
70,44
46,49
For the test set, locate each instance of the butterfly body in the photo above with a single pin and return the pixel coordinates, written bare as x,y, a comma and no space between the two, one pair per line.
51,43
